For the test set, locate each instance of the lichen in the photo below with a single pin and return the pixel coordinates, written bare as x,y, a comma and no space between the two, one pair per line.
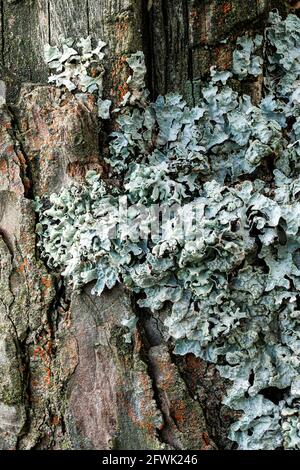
79,69
231,169
245,62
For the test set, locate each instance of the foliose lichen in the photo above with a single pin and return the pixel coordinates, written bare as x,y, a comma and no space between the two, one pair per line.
79,69
234,281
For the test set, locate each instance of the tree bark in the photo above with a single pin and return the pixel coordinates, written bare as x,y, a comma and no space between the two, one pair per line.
68,380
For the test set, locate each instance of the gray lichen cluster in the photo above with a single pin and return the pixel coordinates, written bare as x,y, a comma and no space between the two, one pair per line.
233,282
79,69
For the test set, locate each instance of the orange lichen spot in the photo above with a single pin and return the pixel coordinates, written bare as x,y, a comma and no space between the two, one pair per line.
123,89
149,427
46,281
223,58
206,440
226,8
3,165
142,423
121,29
47,378
38,352
179,412
22,266
115,73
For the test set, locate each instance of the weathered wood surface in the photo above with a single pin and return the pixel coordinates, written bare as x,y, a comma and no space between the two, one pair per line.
26,25
68,380
188,36
181,38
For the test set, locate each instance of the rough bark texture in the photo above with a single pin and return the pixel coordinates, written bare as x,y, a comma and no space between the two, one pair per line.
68,379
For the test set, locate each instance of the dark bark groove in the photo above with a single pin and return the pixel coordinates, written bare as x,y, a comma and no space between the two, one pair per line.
69,381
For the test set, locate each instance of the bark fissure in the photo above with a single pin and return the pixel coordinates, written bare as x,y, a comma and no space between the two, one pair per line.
162,433
49,20
23,359
147,40
88,17
189,49
165,17
183,422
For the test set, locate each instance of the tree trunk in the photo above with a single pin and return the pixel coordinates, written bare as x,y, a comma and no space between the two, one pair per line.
68,380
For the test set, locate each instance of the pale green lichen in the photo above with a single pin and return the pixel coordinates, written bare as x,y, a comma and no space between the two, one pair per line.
234,278
79,69
245,62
